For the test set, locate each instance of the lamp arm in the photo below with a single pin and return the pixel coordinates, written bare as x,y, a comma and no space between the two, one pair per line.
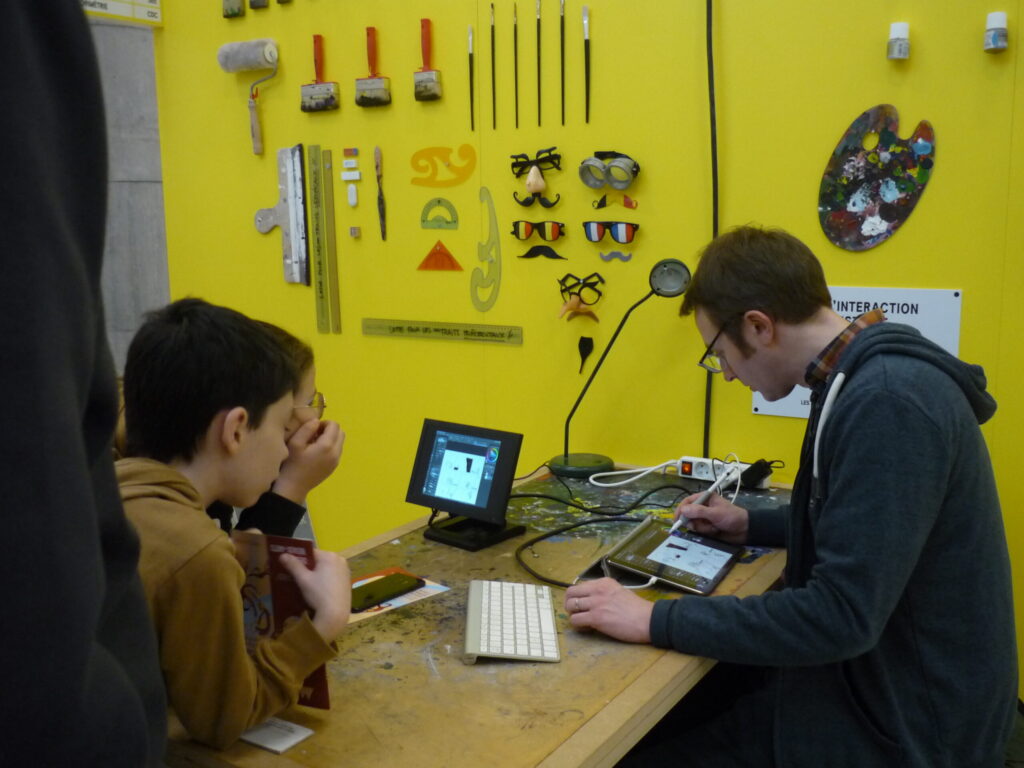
597,367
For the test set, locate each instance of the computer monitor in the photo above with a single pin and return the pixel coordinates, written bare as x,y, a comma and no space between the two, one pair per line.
467,472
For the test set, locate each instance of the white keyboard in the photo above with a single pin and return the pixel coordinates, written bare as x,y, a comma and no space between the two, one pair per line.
509,620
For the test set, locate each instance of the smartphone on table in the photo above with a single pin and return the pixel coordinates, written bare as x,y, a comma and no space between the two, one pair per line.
383,589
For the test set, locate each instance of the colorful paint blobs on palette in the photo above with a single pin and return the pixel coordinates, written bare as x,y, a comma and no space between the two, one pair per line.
867,192
440,259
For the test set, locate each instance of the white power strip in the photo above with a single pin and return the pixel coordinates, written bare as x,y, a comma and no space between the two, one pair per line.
700,468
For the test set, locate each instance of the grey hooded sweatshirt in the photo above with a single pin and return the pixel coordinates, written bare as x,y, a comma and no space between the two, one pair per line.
892,641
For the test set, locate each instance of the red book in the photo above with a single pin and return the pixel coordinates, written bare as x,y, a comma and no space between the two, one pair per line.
270,597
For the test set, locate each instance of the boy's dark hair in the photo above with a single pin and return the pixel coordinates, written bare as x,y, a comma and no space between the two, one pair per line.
191,360
755,268
299,351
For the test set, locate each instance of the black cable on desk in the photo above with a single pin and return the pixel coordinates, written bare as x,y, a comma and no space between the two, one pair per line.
563,529
623,517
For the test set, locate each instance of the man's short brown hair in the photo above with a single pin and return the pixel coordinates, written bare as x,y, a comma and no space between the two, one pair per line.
752,267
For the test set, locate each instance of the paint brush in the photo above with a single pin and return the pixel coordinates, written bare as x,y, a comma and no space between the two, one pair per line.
586,59
494,97
561,48
372,91
378,165
319,96
538,62
472,117
426,82
515,55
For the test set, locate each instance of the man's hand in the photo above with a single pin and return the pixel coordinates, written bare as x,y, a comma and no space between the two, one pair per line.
313,453
607,606
717,518
327,589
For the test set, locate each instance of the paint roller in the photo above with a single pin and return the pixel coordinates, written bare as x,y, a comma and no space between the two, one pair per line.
243,57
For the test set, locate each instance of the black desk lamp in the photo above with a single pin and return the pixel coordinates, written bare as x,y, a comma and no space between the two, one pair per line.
669,277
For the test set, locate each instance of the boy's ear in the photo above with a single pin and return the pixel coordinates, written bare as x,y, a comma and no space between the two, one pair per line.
234,424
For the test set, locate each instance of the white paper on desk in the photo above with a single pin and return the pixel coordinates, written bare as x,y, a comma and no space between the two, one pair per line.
429,589
276,735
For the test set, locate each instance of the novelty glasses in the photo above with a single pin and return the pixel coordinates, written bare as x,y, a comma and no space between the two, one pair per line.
586,288
621,231
612,168
545,160
547,230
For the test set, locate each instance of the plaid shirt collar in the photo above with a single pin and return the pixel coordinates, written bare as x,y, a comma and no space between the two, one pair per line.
821,366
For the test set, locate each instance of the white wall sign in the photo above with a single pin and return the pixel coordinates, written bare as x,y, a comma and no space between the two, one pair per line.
141,11
934,312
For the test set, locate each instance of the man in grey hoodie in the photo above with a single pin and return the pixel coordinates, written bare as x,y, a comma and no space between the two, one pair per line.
892,641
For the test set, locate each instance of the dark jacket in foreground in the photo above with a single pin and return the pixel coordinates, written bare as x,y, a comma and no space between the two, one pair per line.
893,639
79,681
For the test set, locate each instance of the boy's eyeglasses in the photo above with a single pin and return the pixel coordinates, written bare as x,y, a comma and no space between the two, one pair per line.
621,231
548,230
586,288
318,403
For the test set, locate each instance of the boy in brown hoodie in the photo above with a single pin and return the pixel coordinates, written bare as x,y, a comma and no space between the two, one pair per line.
208,399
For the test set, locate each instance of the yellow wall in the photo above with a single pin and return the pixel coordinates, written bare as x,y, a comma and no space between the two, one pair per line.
791,76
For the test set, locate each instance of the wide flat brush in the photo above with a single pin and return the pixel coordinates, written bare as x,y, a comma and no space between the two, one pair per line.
427,81
375,90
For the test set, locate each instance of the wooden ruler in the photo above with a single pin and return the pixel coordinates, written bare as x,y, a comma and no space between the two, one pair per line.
333,293
318,238
425,329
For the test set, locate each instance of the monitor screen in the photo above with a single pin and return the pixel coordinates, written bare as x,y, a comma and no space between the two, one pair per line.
464,470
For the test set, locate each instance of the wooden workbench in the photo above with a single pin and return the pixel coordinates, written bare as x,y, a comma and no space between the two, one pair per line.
402,697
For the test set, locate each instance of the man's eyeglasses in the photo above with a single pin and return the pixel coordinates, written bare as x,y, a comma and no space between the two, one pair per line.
710,361
318,403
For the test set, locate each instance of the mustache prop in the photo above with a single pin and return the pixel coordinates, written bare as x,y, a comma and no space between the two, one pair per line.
542,250
529,200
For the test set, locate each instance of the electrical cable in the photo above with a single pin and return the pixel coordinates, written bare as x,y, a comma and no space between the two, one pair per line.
530,474
623,517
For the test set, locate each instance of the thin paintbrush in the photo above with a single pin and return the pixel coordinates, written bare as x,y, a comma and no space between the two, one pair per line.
561,48
472,117
515,55
538,62
586,58
494,97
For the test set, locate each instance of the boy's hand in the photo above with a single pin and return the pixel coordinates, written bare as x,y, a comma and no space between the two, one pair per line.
313,453
327,590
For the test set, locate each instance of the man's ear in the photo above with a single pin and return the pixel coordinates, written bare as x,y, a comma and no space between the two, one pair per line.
760,326
234,424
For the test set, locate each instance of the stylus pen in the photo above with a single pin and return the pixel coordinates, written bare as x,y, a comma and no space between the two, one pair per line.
703,498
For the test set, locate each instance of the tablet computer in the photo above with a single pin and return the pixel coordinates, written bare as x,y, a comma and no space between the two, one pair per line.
685,560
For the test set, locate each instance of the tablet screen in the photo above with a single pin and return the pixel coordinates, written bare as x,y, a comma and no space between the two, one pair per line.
684,559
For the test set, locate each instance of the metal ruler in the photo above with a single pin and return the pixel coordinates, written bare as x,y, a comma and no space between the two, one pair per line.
424,329
290,215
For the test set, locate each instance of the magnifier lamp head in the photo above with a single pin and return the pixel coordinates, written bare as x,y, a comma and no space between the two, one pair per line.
669,278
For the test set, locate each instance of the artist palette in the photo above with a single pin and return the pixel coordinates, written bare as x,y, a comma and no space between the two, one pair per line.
868,192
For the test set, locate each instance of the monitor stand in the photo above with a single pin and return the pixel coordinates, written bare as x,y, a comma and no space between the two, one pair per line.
472,535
